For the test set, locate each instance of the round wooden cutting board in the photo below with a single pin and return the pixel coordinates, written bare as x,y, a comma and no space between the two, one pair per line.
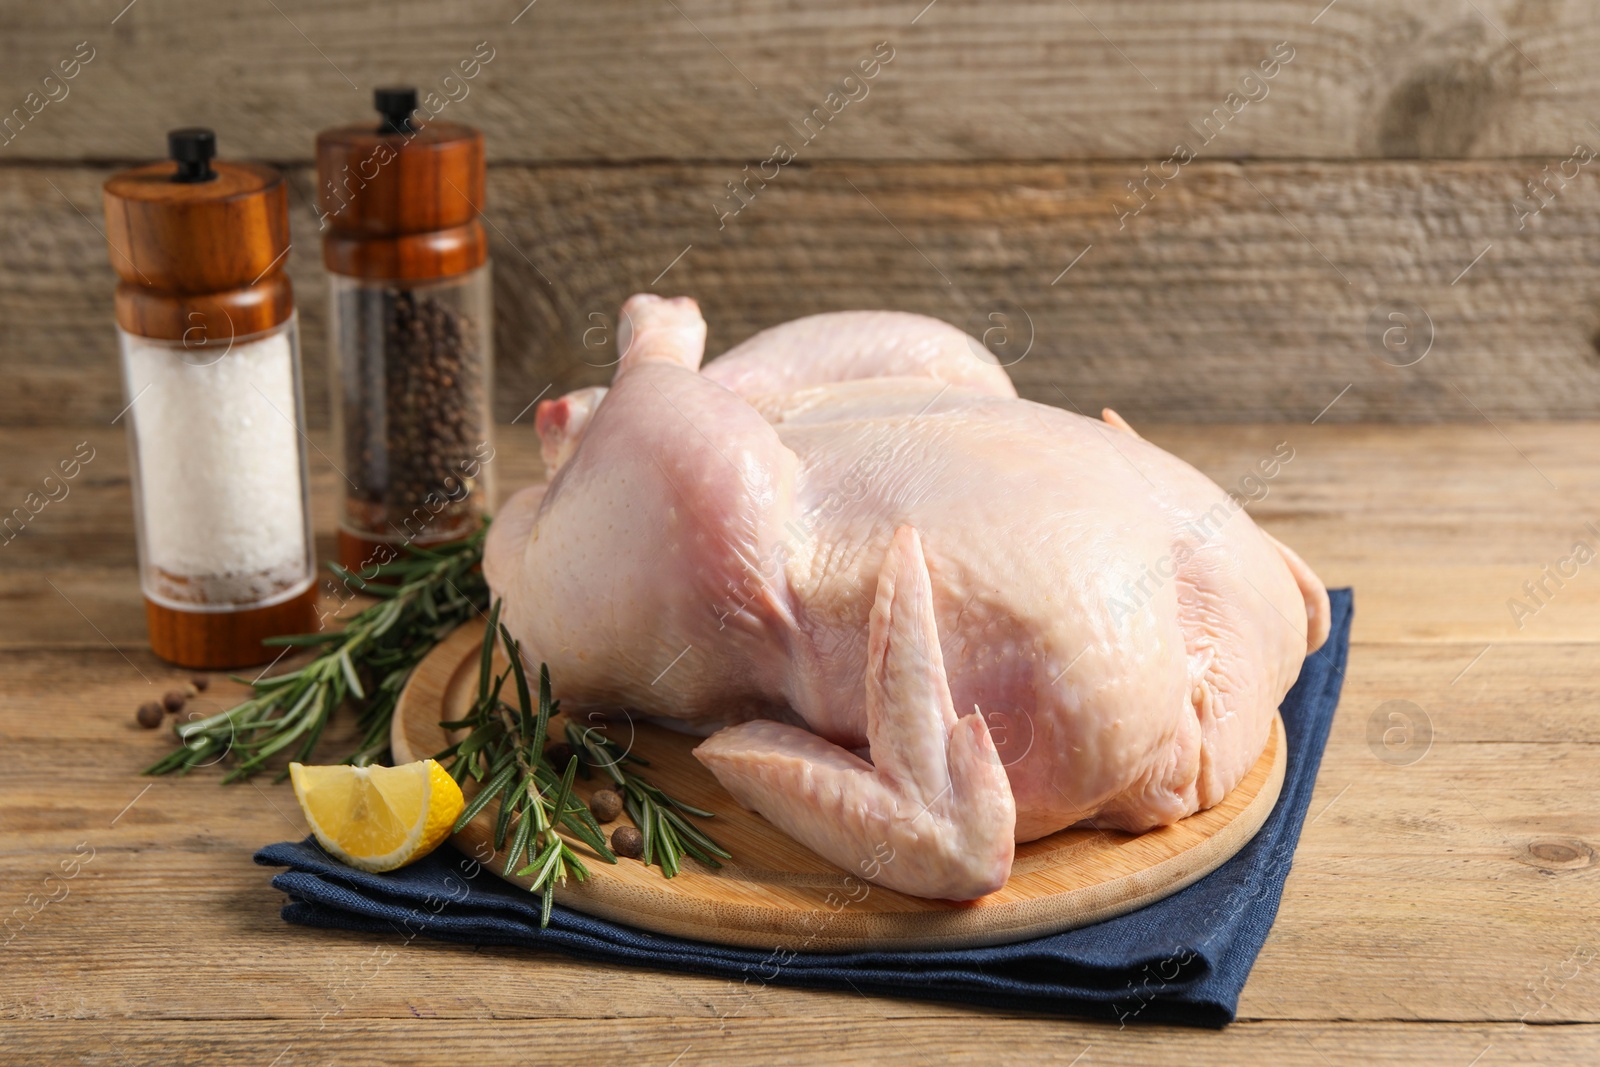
777,894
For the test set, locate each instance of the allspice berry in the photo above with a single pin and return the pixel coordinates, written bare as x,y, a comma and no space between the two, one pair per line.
174,700
627,841
200,681
606,805
559,754
149,715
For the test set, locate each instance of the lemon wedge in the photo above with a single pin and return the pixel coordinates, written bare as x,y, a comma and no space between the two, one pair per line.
378,818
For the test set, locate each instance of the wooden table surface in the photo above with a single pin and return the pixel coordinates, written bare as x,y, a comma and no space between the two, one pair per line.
1442,908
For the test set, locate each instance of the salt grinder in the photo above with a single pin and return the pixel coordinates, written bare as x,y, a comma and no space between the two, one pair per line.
411,328
211,361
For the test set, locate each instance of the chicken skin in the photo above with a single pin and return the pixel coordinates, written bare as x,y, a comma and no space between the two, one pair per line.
916,618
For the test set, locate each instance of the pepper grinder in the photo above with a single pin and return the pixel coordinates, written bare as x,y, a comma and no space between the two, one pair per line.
216,441
411,327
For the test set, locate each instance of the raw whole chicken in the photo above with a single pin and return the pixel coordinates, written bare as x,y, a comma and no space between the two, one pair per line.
916,618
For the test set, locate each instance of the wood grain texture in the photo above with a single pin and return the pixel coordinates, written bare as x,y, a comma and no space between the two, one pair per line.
196,237
230,640
1438,910
375,182
1239,293
200,262
401,205
887,1041
999,144
1403,902
722,79
775,893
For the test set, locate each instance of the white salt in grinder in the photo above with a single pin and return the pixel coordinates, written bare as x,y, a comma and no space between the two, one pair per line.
216,440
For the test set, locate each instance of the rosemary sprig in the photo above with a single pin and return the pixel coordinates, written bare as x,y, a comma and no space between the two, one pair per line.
661,819
505,750
367,663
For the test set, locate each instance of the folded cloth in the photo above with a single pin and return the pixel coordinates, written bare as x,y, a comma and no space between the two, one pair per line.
1183,959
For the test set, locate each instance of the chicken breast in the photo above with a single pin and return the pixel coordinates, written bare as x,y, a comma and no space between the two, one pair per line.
917,618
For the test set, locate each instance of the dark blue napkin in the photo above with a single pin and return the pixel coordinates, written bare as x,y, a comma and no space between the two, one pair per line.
1183,959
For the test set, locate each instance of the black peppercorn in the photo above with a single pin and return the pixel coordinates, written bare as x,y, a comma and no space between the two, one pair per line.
174,700
150,714
414,411
605,804
627,841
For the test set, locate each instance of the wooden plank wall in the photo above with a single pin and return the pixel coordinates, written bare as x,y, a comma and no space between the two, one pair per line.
1167,229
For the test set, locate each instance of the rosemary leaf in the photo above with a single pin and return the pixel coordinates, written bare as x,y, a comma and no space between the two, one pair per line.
504,748
565,794
661,819
485,795
366,664
579,871
486,655
522,840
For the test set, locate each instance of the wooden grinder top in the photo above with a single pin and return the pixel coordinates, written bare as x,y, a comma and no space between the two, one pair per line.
199,245
400,199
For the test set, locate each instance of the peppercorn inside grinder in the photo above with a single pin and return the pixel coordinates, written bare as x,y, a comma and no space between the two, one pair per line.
411,329
211,362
